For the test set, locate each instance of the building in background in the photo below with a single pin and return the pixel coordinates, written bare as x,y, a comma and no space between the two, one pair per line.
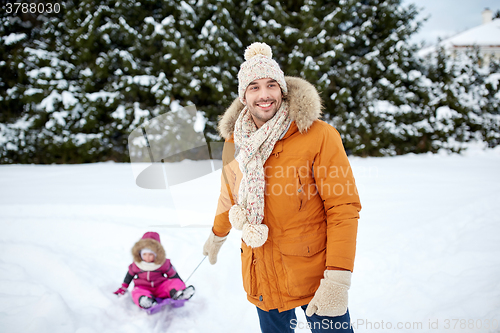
486,37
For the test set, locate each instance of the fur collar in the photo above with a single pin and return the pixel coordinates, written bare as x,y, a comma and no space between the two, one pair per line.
304,107
151,244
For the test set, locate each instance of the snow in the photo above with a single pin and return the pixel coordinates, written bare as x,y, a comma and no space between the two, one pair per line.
160,27
47,103
289,30
200,122
199,53
13,38
166,100
126,56
68,99
143,80
187,8
119,113
33,91
86,72
139,113
168,21
330,16
103,95
494,80
59,117
46,71
428,248
22,123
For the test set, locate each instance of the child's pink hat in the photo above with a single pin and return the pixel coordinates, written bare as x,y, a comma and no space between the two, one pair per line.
152,235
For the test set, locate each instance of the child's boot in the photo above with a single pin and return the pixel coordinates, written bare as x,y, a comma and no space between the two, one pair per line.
146,302
184,294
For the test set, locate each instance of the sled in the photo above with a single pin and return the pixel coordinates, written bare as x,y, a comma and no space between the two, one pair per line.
162,302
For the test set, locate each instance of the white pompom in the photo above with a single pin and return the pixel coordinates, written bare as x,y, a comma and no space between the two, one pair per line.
255,235
237,217
256,49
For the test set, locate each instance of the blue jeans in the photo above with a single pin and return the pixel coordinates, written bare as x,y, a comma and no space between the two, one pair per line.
286,322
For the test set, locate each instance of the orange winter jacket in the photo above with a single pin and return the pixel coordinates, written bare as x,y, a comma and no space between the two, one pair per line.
311,205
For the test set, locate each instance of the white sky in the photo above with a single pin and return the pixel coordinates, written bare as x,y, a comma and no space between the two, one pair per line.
449,17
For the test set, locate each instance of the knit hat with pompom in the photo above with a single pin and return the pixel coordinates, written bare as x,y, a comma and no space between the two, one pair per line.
259,64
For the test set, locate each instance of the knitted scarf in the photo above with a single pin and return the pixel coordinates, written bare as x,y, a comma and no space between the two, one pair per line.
253,147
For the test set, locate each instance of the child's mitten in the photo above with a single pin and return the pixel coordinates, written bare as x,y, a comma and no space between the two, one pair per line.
122,290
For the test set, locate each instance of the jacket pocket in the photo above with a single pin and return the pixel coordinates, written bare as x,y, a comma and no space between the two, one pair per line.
248,263
303,263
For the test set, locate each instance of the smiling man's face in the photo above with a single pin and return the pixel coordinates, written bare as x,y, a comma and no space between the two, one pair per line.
263,99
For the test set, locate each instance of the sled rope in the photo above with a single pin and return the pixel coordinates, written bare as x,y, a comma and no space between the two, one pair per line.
201,262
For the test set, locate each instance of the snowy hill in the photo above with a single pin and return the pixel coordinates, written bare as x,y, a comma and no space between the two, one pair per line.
428,249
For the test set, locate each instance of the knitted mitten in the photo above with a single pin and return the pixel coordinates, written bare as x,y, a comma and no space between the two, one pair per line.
212,247
331,297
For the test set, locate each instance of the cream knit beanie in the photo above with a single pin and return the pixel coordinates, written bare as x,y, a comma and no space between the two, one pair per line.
259,65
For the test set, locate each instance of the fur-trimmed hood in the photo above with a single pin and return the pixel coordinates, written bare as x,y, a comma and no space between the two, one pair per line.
304,107
150,240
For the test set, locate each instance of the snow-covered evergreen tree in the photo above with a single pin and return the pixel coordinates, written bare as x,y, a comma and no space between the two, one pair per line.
465,99
357,53
74,85
96,72
16,31
216,59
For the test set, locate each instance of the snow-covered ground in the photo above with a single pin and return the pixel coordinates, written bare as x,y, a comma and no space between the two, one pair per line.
428,257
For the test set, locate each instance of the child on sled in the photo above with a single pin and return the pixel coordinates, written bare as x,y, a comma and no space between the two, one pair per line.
153,274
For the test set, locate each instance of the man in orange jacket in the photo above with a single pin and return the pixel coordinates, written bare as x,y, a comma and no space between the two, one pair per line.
288,185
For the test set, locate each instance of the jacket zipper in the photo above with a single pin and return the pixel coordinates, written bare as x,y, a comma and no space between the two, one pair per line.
152,282
300,191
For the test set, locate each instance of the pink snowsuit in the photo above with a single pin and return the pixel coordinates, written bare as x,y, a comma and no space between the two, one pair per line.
157,283
156,279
